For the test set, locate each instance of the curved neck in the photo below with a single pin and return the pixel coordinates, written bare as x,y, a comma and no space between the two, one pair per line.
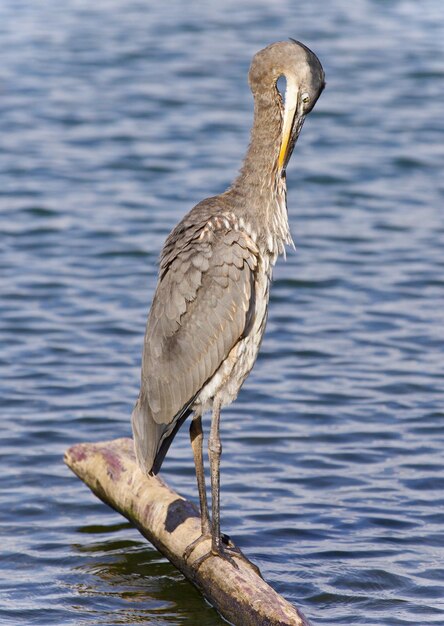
260,167
259,192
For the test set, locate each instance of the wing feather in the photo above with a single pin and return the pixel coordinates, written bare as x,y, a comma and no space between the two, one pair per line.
198,326
201,308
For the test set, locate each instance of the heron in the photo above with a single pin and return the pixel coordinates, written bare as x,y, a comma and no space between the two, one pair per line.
210,307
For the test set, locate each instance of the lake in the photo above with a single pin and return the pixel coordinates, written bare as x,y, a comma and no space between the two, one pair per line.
115,119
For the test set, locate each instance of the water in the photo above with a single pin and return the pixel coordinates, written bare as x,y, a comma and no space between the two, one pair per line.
115,119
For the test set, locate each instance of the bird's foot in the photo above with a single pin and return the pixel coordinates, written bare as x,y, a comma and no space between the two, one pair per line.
224,549
219,548
216,550
193,545
235,551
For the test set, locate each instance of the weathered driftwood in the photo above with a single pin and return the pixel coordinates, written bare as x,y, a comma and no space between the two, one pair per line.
171,523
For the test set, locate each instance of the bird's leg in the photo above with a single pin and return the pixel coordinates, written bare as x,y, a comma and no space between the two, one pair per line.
214,453
221,545
196,437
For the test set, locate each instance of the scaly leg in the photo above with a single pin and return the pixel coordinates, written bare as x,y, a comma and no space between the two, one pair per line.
214,452
196,437
221,545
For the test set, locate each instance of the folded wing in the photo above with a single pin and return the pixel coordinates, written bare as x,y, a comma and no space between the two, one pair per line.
203,304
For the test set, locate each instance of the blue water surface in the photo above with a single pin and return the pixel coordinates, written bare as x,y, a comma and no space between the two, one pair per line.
116,117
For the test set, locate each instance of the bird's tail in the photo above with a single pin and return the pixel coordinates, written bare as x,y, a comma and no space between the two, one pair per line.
152,440
147,435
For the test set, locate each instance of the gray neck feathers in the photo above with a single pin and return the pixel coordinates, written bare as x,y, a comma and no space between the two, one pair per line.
259,192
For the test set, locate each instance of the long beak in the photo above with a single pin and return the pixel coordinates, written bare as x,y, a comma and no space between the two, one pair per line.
293,121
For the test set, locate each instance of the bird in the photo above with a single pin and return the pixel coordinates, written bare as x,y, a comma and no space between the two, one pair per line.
210,306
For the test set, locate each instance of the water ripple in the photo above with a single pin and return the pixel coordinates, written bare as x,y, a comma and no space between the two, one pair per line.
114,121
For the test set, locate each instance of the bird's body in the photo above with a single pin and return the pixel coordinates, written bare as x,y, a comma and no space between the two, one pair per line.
209,311
205,344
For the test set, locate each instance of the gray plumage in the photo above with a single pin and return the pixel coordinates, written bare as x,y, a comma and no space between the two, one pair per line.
209,310
199,313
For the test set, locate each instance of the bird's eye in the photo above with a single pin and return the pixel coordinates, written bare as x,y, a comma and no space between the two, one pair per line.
305,98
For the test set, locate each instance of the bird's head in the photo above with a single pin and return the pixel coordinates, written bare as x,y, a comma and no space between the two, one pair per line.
305,81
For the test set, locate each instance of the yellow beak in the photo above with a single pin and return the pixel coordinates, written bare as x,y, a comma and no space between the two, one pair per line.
290,111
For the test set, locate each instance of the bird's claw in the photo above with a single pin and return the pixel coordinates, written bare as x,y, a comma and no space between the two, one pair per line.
226,550
237,552
219,549
193,545
215,551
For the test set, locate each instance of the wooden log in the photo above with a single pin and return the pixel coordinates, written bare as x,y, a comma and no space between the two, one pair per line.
171,523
